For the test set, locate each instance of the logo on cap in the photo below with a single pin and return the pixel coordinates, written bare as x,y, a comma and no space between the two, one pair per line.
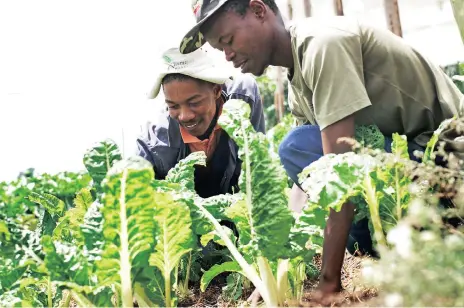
167,59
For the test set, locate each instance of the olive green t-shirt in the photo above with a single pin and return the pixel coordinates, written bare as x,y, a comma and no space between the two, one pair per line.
342,67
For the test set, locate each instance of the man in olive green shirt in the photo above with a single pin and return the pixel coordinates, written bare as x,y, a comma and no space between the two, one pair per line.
341,74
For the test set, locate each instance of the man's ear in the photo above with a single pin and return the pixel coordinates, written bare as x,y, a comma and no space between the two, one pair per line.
258,8
217,91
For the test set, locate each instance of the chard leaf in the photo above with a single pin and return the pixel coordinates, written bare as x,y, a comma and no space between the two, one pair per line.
174,240
65,262
99,159
213,236
307,235
234,288
180,183
53,205
400,146
429,150
333,179
216,270
263,180
10,274
183,172
129,229
68,228
238,213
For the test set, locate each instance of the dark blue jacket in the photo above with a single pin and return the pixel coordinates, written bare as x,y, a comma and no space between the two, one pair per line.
163,146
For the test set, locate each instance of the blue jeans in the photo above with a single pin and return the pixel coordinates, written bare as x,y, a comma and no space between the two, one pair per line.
301,147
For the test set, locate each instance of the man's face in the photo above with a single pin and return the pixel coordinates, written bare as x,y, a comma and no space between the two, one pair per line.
192,103
245,40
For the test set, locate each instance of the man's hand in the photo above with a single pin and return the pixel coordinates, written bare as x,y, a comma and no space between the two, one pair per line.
298,199
338,223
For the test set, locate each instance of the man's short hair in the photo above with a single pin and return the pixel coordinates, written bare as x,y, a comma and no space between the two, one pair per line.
240,6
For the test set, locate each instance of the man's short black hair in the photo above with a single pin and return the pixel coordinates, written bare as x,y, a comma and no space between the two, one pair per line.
240,6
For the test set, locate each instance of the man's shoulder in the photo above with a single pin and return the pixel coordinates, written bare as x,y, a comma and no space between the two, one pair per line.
311,29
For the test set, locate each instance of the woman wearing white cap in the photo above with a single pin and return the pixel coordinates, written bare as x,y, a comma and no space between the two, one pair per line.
195,89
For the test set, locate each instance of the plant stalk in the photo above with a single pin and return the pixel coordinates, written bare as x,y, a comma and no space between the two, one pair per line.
268,279
373,205
67,299
81,300
125,270
167,287
398,195
248,270
282,280
49,292
187,275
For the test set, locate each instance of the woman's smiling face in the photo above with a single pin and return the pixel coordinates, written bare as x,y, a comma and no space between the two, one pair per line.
192,103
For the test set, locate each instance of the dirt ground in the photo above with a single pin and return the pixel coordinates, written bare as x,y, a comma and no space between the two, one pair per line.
353,295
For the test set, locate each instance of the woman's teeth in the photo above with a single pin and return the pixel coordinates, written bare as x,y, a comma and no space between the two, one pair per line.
191,126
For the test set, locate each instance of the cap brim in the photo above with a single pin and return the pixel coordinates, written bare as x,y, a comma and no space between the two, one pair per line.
208,74
194,39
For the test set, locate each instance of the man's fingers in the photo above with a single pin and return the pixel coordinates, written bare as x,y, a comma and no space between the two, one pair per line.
254,298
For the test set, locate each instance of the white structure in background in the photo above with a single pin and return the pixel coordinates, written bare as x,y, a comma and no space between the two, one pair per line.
428,25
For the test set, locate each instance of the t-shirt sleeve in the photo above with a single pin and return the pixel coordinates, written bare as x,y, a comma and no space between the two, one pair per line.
333,70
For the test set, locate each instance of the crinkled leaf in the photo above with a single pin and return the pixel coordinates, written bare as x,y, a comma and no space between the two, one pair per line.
263,180
54,206
183,172
238,214
234,288
92,228
99,159
175,237
66,262
68,228
129,229
307,235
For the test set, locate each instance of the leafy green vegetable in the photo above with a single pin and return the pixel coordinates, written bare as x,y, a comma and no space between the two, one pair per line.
128,226
174,240
99,159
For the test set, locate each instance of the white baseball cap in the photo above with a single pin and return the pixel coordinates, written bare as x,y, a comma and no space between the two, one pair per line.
197,64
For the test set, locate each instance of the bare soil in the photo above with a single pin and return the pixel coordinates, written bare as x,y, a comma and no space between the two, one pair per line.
354,294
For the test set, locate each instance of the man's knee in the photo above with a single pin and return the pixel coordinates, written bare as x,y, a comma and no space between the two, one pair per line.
300,147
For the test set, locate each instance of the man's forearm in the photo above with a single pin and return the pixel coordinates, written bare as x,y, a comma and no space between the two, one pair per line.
335,239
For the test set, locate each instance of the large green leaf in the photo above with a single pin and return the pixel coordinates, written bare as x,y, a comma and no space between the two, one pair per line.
128,227
216,270
174,240
307,235
92,229
100,158
263,181
66,262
